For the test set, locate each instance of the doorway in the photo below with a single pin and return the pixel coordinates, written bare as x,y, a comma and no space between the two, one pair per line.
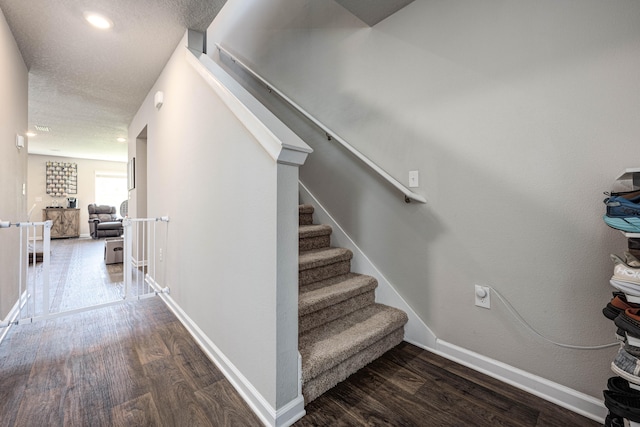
138,197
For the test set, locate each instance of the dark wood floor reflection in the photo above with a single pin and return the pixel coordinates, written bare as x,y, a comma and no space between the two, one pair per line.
409,386
129,365
134,364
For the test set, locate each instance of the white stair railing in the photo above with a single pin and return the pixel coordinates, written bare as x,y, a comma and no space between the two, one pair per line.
409,195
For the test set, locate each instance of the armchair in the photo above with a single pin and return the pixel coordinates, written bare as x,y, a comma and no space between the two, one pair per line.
103,221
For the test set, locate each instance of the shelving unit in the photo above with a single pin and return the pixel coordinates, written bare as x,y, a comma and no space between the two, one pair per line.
632,176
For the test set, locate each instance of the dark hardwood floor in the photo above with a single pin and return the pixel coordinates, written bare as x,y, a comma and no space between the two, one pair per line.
409,386
134,364
129,365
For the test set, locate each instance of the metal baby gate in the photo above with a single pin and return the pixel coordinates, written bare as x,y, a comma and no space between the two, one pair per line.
140,269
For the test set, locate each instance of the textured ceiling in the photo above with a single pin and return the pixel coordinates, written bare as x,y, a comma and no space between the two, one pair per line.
86,84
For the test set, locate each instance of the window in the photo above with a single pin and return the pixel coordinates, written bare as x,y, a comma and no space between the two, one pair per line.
111,189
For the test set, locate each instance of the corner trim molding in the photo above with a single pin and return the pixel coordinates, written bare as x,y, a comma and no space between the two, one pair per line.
283,417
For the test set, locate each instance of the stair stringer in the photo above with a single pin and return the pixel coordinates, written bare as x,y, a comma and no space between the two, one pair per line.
416,331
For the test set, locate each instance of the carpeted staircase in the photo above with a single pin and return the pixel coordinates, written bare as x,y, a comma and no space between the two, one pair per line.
341,327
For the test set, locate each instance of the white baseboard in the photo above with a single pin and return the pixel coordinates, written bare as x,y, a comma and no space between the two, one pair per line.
12,316
568,398
283,417
415,331
419,334
138,263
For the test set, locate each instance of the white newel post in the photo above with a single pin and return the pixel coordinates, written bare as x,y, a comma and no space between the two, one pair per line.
282,402
287,374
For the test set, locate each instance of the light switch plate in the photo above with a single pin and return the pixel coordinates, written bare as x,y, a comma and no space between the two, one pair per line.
413,179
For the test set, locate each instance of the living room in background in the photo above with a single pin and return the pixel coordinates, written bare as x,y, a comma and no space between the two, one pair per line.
111,188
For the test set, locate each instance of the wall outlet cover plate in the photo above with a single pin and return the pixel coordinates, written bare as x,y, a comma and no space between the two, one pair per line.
483,296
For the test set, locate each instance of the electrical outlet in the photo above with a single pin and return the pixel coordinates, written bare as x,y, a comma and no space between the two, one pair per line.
483,296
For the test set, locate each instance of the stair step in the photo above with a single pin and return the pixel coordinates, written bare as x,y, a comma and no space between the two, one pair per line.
321,317
314,236
322,257
315,387
327,300
306,208
320,264
305,213
326,347
314,230
341,327
322,294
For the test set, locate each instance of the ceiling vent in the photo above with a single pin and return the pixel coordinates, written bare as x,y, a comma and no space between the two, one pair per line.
373,11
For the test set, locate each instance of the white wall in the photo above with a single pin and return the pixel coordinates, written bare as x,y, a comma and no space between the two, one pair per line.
207,173
86,185
13,162
518,116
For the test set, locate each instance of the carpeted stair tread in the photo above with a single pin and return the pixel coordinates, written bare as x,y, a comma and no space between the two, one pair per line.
341,327
322,257
305,209
328,282
313,236
313,230
327,346
305,214
331,291
314,387
325,315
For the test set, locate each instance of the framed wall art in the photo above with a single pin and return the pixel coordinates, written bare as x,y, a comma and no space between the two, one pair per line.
61,178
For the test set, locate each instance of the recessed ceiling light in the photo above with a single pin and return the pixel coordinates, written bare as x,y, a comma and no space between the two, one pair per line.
121,139
42,128
30,134
98,21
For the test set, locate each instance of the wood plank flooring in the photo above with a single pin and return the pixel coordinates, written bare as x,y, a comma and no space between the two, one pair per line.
128,365
134,364
131,364
409,386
